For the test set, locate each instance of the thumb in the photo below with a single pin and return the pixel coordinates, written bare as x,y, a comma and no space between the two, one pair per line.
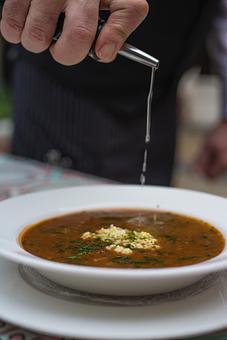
125,17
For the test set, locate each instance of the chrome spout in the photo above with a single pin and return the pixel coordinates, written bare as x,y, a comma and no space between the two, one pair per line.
133,53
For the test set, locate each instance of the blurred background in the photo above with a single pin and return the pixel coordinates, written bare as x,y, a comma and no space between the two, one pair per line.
200,110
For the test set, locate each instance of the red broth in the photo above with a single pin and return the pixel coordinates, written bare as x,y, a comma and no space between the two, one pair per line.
180,240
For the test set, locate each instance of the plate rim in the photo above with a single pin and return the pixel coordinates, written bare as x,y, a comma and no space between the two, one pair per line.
50,332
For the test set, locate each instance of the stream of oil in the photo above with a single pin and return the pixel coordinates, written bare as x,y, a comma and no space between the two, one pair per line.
148,129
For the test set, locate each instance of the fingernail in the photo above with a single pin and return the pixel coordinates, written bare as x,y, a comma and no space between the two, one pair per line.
107,52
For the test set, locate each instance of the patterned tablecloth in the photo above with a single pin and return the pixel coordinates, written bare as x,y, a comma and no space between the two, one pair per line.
18,177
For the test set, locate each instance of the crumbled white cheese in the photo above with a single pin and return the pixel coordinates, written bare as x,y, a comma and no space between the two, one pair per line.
120,249
86,235
123,240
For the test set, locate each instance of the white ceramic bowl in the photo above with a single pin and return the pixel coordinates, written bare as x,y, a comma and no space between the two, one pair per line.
19,212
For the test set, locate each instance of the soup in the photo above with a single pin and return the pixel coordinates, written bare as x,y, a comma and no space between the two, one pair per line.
123,239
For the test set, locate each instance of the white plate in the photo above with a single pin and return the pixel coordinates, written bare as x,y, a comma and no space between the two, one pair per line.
22,305
24,210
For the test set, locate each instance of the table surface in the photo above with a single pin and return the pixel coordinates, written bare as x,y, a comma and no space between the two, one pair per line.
18,176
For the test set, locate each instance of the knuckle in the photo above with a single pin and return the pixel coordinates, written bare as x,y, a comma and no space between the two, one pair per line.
143,7
119,30
80,33
138,8
40,28
13,24
36,30
35,38
36,33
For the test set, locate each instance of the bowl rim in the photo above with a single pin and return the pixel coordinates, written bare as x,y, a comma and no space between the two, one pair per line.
42,264
216,263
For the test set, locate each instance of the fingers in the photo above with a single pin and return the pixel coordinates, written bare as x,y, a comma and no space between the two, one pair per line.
13,19
41,24
125,17
81,20
31,22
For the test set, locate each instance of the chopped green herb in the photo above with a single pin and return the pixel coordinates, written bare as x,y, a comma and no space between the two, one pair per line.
187,258
72,257
131,236
76,242
129,260
122,259
92,247
86,249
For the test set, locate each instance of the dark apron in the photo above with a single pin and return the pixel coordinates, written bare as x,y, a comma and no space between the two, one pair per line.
94,114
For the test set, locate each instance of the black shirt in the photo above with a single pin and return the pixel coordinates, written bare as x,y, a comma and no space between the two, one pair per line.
101,125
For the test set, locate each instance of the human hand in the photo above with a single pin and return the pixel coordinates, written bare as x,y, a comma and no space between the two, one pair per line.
212,161
33,23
